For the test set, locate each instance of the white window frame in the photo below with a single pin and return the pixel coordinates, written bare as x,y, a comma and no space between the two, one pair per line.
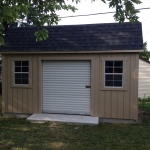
21,72
113,74
102,76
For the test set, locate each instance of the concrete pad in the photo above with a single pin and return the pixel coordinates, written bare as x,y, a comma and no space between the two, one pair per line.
77,119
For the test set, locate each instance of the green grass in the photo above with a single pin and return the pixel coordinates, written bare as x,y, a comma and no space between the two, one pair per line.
17,134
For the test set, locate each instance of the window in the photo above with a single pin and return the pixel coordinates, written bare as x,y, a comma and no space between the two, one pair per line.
113,73
21,72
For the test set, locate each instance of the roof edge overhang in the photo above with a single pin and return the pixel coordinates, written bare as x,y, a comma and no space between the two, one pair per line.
54,52
146,61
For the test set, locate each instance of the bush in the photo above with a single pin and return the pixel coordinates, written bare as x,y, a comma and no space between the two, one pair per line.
144,104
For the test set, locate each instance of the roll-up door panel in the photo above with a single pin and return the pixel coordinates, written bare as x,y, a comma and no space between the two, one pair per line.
64,87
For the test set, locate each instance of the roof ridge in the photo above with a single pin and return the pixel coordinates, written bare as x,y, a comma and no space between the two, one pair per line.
91,24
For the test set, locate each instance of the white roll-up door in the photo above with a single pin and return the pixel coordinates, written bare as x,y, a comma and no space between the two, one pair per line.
64,87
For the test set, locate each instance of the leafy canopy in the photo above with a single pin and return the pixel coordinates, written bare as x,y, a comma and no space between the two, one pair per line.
146,53
41,12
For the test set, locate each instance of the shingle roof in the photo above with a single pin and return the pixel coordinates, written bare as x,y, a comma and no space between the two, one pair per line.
89,37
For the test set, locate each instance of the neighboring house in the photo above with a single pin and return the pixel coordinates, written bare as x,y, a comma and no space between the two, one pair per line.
80,69
144,78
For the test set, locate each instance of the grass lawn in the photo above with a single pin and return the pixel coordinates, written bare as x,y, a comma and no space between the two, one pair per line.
17,134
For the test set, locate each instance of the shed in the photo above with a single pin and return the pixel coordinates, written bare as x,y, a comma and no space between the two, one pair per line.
144,78
80,69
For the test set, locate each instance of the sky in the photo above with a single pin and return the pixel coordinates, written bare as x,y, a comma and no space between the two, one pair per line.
88,7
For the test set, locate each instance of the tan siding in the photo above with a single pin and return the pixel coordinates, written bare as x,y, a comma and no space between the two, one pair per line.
114,105
101,93
19,98
30,101
35,84
96,86
127,93
120,99
15,100
132,85
120,104
104,103
136,87
24,100
10,94
108,100
4,85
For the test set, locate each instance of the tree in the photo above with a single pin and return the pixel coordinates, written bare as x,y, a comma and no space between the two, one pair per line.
146,53
41,12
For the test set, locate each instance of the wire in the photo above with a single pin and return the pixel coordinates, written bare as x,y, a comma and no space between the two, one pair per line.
147,33
98,13
146,19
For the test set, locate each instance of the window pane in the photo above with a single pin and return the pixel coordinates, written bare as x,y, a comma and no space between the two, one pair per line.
108,70
17,69
25,81
25,63
25,69
109,63
108,77
17,63
17,81
108,83
118,77
118,63
118,70
17,75
25,75
118,83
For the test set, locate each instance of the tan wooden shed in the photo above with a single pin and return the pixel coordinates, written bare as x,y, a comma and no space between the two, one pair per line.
80,69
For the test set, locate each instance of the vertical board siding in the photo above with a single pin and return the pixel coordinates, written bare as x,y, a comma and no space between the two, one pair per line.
10,94
96,86
136,85
30,101
120,105
15,100
132,85
126,95
104,103
4,85
114,104
101,93
24,100
35,84
108,100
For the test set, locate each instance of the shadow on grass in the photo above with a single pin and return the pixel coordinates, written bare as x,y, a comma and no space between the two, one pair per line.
17,134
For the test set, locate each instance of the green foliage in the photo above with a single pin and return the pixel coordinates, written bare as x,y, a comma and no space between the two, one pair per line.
144,104
146,53
125,10
39,12
43,12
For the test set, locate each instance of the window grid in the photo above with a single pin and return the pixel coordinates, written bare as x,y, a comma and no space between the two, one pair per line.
114,74
21,77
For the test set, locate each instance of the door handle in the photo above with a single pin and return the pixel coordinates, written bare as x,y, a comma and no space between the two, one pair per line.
88,86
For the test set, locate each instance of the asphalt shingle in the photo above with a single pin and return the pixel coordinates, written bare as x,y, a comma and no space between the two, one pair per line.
89,37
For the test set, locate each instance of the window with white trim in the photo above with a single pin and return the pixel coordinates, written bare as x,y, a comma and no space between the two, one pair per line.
113,73
21,72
